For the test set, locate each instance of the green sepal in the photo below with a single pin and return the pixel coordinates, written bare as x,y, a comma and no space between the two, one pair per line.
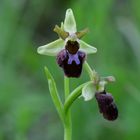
88,91
52,49
88,49
69,22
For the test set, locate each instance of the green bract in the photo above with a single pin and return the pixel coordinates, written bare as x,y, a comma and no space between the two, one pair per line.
68,31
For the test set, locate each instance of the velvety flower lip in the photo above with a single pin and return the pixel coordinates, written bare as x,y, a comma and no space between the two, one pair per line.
69,32
107,105
71,64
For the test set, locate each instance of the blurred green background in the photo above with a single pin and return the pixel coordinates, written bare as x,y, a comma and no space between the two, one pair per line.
26,108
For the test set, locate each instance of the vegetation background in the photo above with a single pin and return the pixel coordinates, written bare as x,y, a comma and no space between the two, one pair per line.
26,108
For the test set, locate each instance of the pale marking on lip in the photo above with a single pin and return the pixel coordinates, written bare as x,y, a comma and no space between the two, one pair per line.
73,57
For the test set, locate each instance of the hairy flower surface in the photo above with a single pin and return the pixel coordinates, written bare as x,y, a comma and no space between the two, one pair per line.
71,64
107,105
69,48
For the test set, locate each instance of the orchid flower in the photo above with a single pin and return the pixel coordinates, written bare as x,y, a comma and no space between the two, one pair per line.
69,49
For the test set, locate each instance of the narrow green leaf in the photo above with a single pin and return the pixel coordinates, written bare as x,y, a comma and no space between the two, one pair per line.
54,94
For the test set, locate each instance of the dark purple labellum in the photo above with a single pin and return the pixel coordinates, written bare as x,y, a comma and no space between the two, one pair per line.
71,63
107,105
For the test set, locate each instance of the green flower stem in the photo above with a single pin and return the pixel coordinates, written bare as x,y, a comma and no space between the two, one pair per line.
73,96
67,121
91,72
66,87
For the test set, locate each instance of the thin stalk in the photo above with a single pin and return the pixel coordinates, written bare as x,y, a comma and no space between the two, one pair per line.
91,72
67,122
73,96
66,87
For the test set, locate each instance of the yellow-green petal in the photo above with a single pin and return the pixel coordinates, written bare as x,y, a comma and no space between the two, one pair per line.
69,22
87,48
51,49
